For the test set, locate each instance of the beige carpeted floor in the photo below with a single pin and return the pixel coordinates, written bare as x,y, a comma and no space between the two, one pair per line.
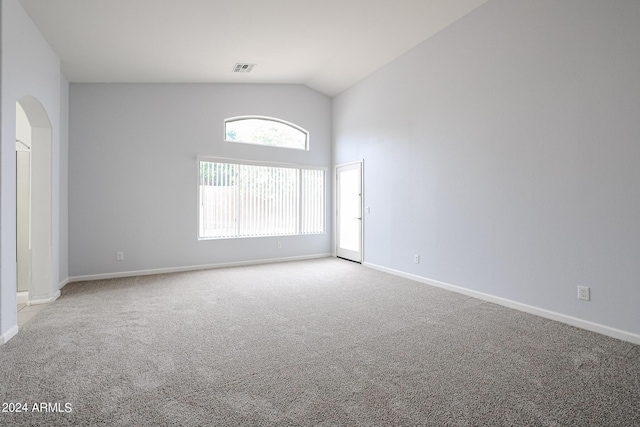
321,342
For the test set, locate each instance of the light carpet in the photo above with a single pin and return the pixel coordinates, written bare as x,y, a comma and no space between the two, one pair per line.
321,342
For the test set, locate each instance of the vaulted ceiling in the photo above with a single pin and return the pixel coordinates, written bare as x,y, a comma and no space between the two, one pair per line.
327,45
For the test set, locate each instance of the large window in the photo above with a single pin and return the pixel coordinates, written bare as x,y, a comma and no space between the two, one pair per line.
265,131
250,200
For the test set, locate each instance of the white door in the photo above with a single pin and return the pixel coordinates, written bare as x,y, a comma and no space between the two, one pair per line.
349,211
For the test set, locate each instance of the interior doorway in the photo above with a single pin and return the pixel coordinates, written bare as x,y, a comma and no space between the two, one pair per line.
349,220
33,202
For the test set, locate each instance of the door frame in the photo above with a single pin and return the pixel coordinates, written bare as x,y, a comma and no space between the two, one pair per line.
335,206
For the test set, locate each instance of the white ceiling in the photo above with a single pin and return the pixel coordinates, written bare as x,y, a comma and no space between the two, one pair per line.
327,45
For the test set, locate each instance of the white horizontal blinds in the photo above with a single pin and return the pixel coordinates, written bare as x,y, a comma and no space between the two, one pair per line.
217,199
241,200
312,217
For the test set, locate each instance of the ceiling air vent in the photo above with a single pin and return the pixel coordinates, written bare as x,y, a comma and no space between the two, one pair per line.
243,68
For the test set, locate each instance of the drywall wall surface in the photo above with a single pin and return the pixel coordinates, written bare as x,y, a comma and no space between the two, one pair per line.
133,172
505,151
23,130
29,68
63,179
23,198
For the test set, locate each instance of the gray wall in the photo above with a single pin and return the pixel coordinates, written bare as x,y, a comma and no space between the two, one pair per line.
133,171
505,151
29,68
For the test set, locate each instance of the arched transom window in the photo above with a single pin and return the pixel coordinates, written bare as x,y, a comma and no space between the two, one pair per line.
265,131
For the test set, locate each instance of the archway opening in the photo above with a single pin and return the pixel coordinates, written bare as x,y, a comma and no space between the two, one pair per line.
34,264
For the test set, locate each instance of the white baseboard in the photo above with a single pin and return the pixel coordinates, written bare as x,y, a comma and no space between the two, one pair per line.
9,334
563,318
190,268
22,297
45,300
63,283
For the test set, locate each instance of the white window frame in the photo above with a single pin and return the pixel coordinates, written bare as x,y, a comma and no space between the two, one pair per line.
269,119
267,164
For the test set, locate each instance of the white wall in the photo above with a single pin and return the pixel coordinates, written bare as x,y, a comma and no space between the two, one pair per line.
23,198
29,68
61,169
23,128
505,151
133,171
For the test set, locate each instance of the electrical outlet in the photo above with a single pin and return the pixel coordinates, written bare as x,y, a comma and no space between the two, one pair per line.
119,256
416,259
279,245
584,293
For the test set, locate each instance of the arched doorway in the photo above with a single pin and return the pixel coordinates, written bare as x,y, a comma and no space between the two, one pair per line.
36,263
